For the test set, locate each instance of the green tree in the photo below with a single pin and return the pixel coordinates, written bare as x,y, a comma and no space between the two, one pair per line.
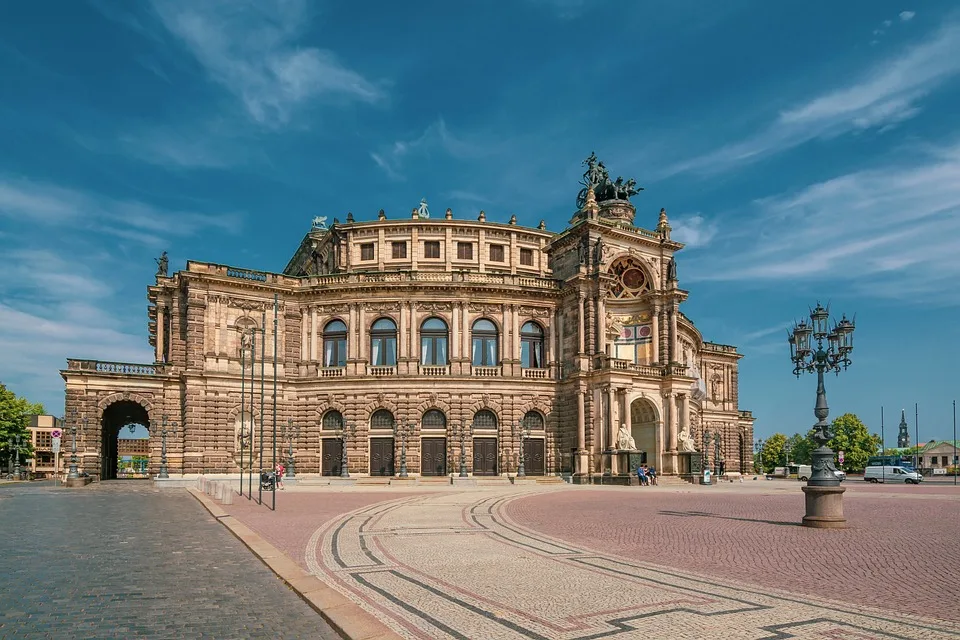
853,438
771,455
800,448
15,415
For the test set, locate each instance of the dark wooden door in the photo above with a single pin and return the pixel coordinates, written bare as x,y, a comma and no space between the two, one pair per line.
484,456
533,457
433,457
330,451
381,456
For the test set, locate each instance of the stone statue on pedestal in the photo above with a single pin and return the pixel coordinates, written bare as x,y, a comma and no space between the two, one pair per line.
625,441
685,443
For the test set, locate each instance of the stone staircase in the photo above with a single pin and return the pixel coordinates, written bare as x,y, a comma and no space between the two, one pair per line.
549,480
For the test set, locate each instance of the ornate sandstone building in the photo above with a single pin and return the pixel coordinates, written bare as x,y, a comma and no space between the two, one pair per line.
448,330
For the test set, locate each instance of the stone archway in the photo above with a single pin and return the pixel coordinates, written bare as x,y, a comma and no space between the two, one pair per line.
115,417
644,427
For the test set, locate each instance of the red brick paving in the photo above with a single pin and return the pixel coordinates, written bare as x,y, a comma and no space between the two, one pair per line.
899,554
298,515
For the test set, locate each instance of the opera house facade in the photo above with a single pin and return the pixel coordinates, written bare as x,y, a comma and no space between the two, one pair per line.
433,339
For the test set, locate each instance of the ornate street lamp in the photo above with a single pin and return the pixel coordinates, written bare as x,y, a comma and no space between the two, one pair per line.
163,446
345,432
289,432
16,452
824,507
716,454
758,449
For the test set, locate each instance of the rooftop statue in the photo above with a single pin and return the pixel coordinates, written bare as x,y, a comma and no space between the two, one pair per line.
422,211
163,263
320,222
597,178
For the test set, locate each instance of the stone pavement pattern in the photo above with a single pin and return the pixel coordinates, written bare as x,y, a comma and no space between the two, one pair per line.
457,565
122,560
901,551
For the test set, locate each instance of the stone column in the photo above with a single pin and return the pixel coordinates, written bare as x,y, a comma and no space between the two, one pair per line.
454,340
414,346
353,349
161,324
673,333
671,402
465,334
627,417
582,329
361,337
612,428
655,342
685,412
601,324
303,333
582,460
313,333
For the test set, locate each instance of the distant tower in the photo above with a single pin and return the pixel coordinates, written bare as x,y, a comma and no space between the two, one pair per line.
903,438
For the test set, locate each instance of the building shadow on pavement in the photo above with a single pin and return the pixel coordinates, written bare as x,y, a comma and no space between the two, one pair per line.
707,514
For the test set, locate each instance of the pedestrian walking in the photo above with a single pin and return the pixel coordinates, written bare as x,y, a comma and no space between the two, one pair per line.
279,474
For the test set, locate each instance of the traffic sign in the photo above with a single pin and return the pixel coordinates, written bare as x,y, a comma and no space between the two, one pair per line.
56,433
56,445
840,457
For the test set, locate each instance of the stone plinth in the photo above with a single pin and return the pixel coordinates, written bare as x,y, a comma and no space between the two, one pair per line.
457,481
824,507
77,482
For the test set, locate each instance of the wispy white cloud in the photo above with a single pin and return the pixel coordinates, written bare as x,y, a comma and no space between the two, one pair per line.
884,230
907,16
694,231
887,94
44,203
435,138
53,308
252,48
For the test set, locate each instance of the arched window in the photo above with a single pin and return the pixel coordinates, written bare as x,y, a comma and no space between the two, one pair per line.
531,346
381,419
434,419
532,421
485,344
484,419
335,344
383,343
433,342
332,420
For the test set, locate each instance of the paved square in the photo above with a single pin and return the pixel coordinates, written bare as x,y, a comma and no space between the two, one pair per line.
662,562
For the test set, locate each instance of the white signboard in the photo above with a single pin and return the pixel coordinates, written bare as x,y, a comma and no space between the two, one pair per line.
56,445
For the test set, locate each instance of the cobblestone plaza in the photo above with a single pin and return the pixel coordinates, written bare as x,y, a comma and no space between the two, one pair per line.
730,561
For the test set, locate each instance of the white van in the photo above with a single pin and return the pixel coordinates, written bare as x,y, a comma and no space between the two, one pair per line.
891,474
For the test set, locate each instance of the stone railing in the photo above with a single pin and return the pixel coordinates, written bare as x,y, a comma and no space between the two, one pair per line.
713,347
381,371
332,372
434,370
246,274
644,369
746,414
486,372
539,374
510,279
123,368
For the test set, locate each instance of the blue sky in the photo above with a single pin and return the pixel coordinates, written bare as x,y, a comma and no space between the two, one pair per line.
803,151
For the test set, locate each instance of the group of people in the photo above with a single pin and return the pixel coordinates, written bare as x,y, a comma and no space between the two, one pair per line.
646,475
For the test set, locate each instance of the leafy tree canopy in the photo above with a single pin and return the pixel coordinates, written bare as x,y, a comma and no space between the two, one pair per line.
772,453
15,415
855,440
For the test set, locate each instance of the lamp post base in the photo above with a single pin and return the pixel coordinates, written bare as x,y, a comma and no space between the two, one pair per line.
824,508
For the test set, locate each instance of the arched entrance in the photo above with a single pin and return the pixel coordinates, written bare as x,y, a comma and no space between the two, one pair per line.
124,413
643,428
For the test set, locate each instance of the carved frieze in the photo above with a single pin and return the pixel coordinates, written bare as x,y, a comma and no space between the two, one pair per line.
383,307
484,308
434,307
534,312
